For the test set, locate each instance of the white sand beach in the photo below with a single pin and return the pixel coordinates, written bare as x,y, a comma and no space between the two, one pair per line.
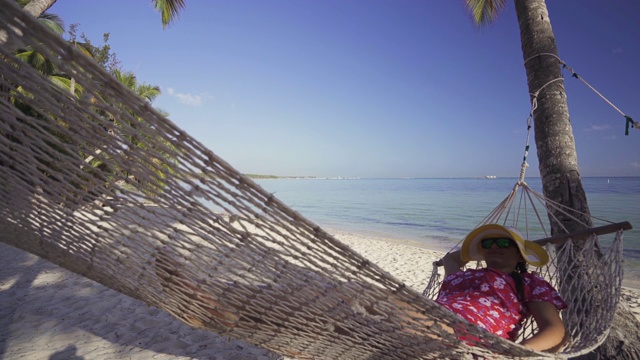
50,313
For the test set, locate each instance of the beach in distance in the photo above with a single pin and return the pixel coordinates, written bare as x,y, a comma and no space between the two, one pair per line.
437,213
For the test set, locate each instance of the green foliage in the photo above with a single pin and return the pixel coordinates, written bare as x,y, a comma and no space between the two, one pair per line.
36,60
99,173
169,9
51,21
102,54
258,176
484,12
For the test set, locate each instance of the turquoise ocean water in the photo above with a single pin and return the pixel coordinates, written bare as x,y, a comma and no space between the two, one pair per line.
439,212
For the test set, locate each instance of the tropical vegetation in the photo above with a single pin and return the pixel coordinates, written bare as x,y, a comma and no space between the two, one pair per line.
98,164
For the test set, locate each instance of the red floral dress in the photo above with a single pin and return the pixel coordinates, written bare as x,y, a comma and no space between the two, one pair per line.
488,298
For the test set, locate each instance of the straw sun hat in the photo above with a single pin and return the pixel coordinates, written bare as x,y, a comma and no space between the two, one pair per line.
531,252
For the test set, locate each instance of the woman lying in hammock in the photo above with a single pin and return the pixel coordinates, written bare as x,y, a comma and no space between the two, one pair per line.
501,296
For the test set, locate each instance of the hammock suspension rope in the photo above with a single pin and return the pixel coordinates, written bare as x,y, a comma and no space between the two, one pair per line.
629,122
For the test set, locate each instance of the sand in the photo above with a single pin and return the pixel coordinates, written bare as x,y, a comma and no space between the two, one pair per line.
48,312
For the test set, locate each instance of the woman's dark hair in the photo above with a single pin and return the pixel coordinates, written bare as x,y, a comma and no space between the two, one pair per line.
518,278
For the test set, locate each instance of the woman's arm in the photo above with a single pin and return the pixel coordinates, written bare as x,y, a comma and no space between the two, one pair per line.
452,262
551,335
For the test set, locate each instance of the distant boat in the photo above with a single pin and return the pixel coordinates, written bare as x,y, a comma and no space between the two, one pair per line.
490,177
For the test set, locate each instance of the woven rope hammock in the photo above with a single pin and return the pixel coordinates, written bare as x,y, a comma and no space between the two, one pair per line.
98,182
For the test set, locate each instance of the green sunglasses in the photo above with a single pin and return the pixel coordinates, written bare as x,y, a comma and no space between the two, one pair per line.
502,243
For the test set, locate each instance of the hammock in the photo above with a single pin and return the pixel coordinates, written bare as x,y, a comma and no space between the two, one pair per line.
100,183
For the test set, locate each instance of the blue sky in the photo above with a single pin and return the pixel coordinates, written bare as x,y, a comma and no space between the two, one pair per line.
374,88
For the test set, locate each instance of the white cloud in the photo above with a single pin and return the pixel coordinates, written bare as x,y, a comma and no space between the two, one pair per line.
635,164
187,99
597,128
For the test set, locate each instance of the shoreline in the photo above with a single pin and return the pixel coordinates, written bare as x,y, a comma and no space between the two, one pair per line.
51,313
630,281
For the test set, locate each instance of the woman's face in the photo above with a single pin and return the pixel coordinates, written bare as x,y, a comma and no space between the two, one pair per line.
504,259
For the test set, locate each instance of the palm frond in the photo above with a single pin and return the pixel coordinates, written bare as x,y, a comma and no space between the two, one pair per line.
52,22
484,12
67,84
80,46
148,92
36,60
169,9
126,78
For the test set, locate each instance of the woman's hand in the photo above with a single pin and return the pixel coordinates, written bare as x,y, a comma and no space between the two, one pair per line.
452,262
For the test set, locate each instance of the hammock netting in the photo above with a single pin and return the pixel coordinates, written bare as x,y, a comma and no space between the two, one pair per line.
98,182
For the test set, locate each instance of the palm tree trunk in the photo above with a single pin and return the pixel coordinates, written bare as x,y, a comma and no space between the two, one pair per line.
37,7
553,133
558,160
